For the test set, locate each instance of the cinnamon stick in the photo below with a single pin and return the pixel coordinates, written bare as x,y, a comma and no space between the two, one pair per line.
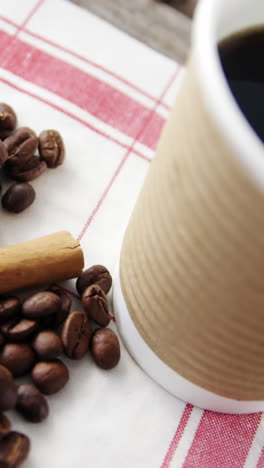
52,258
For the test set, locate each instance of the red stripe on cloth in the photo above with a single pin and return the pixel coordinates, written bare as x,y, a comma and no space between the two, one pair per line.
261,460
103,196
123,161
31,13
72,116
26,20
222,440
101,100
9,21
120,78
177,436
8,41
97,66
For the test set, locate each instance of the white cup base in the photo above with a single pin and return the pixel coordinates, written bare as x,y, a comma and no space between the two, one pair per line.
163,374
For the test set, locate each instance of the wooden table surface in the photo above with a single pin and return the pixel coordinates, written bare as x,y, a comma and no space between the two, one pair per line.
159,23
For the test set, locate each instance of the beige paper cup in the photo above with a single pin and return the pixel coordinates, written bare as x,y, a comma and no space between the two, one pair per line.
189,301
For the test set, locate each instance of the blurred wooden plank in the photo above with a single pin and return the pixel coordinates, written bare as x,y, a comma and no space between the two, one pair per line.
184,6
156,24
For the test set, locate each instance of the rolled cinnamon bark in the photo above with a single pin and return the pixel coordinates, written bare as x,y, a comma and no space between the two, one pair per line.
55,257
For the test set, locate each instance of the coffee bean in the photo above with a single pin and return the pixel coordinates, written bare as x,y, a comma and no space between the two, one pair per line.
5,134
21,145
51,148
66,302
3,153
8,119
31,403
2,340
5,425
95,304
41,304
105,348
5,373
19,329
50,376
27,171
14,449
18,197
10,307
76,334
8,393
48,345
19,358
97,274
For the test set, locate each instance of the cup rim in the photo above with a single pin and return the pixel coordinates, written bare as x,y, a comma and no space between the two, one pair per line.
218,97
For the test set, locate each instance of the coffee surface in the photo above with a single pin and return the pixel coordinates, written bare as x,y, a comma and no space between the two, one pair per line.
241,55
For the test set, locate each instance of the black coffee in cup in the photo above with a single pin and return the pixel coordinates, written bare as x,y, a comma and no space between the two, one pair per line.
242,58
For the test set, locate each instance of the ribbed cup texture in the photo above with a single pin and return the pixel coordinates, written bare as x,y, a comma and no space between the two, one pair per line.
192,261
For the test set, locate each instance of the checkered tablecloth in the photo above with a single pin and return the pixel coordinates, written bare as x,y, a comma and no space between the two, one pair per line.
109,96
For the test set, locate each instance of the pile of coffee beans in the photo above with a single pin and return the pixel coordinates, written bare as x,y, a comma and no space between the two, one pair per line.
33,334
19,161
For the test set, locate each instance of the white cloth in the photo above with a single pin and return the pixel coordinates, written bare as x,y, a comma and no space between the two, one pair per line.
108,95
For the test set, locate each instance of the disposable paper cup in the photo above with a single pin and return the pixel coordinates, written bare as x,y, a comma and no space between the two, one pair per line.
189,302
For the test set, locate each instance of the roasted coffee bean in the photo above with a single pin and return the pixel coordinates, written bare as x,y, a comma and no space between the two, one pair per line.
105,348
95,304
2,340
5,134
5,425
41,304
97,274
14,449
10,307
21,145
19,329
3,153
50,376
8,119
28,171
31,403
48,345
18,197
66,302
8,390
5,373
76,334
19,358
14,166
51,148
